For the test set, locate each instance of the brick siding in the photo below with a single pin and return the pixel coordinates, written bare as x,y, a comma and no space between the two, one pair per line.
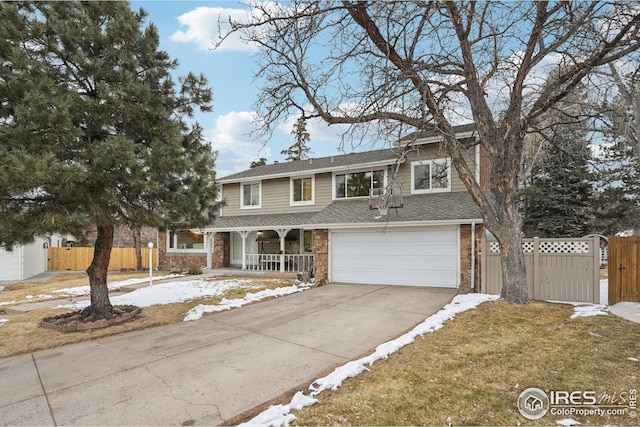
465,257
321,255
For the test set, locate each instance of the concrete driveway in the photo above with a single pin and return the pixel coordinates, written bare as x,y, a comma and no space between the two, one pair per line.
213,369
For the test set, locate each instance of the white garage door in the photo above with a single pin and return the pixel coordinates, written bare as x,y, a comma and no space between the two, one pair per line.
411,257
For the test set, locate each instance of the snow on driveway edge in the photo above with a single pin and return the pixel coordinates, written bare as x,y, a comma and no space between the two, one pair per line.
278,415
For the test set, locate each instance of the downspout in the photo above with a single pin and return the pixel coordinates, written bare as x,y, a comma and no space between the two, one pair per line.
473,256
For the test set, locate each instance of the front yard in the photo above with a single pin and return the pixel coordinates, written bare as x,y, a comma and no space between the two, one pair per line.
165,303
472,371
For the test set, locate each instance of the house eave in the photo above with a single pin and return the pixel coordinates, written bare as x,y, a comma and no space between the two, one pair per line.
350,225
437,138
308,172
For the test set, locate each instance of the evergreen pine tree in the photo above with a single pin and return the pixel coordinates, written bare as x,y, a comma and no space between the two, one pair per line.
558,200
617,205
299,150
260,162
93,130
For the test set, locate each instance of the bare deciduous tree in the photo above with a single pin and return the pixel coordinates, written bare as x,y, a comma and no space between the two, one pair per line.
426,64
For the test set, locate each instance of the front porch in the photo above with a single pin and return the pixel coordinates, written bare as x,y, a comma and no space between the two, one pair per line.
284,263
278,250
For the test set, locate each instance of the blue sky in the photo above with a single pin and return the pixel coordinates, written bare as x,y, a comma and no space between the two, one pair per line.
186,32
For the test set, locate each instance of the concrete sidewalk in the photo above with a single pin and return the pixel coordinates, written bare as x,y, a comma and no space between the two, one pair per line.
627,310
208,371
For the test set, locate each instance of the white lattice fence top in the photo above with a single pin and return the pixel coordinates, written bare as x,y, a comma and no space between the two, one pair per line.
547,247
573,247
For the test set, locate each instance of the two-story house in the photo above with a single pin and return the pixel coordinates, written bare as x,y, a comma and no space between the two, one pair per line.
315,215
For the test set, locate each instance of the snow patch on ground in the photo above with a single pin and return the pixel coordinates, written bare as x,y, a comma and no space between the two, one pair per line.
590,310
172,292
29,299
198,311
3,321
85,290
278,415
568,422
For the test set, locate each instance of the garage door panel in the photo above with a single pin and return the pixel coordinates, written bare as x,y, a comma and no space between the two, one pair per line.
415,257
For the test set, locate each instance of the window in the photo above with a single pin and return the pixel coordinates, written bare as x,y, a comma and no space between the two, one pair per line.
250,195
358,184
430,176
308,240
185,240
302,191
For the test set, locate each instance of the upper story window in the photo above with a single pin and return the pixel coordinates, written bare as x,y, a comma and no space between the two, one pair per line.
302,191
250,195
430,176
357,184
185,240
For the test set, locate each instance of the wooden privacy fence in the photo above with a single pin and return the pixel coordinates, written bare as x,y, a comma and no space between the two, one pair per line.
624,274
80,258
557,269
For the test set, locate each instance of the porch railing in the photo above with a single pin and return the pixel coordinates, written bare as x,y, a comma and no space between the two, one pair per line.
295,263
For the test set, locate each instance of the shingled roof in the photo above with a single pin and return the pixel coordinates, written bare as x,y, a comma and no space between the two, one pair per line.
387,156
454,207
413,136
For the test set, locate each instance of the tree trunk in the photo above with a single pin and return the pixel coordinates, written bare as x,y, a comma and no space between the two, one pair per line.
100,305
514,274
137,243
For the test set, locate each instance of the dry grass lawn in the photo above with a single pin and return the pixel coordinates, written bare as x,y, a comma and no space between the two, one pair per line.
472,371
22,334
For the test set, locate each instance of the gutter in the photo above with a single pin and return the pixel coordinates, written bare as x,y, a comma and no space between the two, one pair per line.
473,257
306,172
349,226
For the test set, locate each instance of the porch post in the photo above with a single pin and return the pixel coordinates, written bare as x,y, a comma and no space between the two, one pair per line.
282,233
244,235
208,237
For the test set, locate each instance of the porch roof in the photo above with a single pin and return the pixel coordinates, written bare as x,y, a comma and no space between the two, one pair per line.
239,222
456,207
439,207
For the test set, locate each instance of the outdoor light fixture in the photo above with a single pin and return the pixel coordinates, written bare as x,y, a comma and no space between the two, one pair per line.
150,245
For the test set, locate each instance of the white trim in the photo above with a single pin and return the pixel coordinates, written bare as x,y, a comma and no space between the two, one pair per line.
259,205
219,198
431,162
438,138
478,160
313,191
341,226
458,260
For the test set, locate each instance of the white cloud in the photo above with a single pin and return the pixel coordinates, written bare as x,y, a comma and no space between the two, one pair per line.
237,148
205,24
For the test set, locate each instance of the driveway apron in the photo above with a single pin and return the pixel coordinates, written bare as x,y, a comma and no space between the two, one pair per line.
207,371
